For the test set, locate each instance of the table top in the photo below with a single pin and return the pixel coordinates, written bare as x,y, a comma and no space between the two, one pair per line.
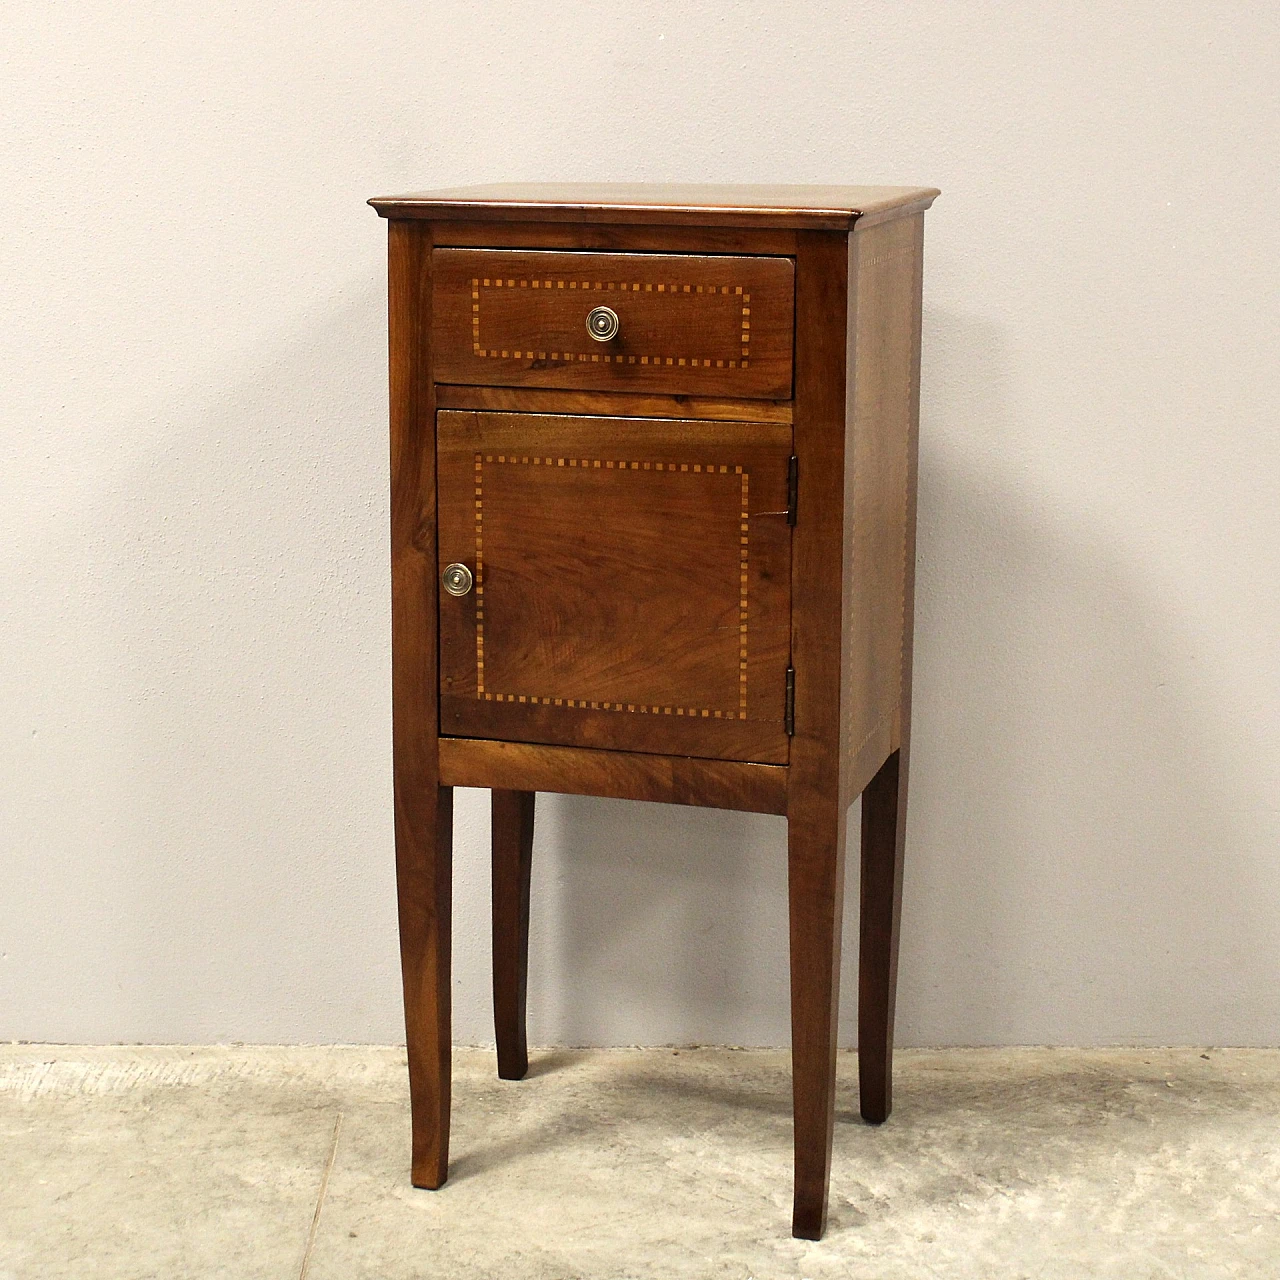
811,208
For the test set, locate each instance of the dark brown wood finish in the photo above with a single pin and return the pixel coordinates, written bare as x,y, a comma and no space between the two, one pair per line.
512,840
616,237
884,816
611,404
692,324
833,208
882,559
884,326
619,775
631,583
576,557
423,808
816,810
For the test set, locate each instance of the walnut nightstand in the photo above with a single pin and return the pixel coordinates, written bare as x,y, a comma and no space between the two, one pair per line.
653,473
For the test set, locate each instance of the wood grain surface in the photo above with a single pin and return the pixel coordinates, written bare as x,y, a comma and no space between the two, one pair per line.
643,576
620,775
611,404
817,816
632,582
615,237
879,491
834,208
423,808
511,823
880,562
696,324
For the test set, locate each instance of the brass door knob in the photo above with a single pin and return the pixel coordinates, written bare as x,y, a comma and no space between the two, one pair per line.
602,323
457,579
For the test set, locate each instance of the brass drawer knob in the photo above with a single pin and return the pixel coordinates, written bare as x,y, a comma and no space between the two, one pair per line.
457,579
602,323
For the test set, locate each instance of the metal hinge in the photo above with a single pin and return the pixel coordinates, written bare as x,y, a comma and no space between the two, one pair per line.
793,484
789,712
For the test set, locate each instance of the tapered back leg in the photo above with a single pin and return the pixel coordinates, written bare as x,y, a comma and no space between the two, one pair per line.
884,812
512,817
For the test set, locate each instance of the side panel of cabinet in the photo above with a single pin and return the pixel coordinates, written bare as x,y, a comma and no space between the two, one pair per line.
880,486
632,583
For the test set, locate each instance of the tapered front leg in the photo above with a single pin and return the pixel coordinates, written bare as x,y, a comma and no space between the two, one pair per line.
512,813
424,848
423,809
884,815
815,864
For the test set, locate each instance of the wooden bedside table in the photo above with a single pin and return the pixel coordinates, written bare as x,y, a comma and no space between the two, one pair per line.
653,472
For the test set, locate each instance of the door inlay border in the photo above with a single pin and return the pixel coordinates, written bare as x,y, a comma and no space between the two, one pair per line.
617,464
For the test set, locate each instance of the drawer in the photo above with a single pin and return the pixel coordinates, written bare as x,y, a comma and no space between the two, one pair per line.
701,325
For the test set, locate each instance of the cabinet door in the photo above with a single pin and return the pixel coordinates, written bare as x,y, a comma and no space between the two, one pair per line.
632,583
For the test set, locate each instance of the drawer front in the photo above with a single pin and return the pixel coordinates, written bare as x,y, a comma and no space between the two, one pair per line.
629,583
685,324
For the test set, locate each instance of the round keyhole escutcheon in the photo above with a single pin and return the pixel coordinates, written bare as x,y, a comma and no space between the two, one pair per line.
457,579
602,323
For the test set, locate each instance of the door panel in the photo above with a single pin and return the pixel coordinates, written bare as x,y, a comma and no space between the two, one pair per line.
632,582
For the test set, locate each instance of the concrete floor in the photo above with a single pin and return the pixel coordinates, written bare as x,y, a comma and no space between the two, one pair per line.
235,1162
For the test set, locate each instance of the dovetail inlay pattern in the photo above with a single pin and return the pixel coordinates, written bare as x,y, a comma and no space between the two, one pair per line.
614,464
478,284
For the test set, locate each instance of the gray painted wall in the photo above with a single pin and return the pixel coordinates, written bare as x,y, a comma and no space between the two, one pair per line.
195,837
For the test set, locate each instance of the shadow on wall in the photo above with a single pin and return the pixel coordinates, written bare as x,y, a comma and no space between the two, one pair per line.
1071,876
246,639
1079,871
663,924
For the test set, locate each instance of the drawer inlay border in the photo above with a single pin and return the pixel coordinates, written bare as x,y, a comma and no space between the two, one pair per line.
596,357
610,464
